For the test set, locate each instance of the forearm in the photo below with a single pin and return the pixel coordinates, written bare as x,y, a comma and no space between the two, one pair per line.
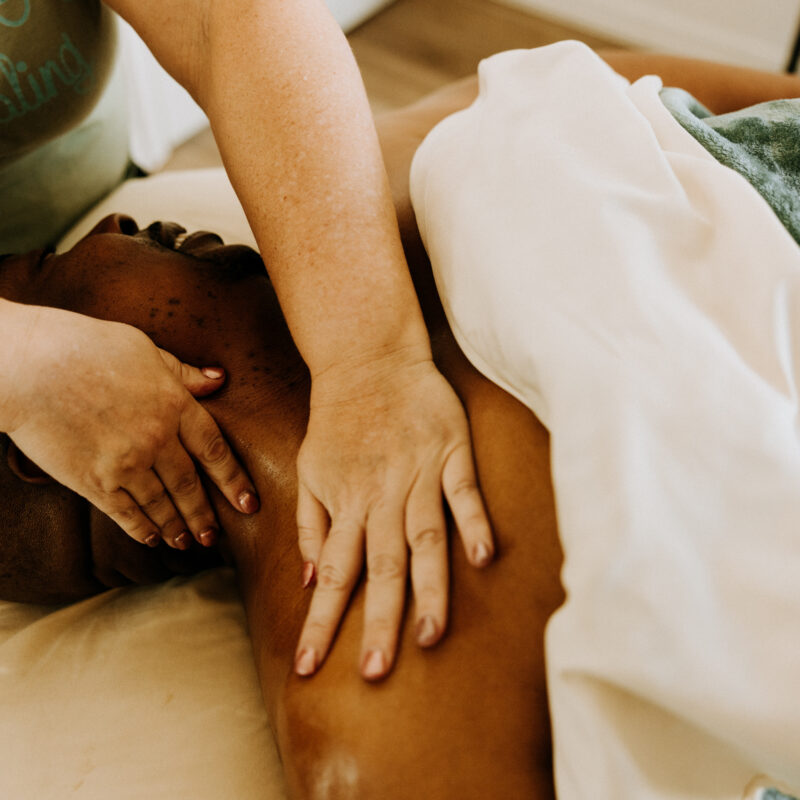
289,112
292,120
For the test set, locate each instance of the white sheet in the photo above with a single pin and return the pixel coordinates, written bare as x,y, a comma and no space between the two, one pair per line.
644,301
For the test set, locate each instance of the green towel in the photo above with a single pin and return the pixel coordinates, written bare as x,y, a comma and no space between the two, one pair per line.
774,794
762,143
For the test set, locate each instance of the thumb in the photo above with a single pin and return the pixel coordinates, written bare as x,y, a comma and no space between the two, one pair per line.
199,381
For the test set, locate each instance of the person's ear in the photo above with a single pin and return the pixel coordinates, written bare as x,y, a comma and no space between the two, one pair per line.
116,223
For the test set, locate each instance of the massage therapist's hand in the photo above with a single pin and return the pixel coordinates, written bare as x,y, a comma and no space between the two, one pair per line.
106,413
379,453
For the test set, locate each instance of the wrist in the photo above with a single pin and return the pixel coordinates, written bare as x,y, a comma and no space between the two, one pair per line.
364,377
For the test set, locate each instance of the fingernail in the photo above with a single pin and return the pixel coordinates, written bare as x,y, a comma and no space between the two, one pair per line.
481,555
183,540
215,373
308,574
426,632
248,502
208,537
374,665
306,661
152,540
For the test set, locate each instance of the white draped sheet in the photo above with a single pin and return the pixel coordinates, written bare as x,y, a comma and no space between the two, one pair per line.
644,302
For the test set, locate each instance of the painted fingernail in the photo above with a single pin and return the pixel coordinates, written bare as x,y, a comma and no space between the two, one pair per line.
481,555
374,665
426,632
306,661
215,373
183,540
248,502
152,540
308,574
208,537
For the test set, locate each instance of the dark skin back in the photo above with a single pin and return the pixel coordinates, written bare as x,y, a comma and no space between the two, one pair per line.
465,719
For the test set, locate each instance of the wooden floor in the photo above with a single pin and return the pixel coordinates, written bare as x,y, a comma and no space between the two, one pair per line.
415,46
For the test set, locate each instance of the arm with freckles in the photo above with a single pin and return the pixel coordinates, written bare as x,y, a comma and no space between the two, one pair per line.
387,436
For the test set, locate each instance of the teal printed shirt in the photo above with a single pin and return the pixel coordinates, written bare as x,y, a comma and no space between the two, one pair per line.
55,58
63,137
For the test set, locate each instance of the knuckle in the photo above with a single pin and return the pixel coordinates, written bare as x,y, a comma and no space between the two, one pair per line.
137,456
428,595
186,483
125,515
307,536
174,521
385,567
215,450
173,394
107,485
154,502
342,530
128,460
234,474
381,628
426,538
136,527
316,629
179,394
464,488
159,436
200,514
332,578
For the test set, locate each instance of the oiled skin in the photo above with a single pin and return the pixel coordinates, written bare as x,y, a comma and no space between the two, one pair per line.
466,719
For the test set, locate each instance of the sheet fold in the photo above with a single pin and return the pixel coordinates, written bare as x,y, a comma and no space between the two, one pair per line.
644,301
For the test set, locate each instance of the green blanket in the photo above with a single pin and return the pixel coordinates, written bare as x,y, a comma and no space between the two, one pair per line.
761,142
774,794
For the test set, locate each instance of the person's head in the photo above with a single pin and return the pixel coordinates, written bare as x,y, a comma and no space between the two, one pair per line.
207,303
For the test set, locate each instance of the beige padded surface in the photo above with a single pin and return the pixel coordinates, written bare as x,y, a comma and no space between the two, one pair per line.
146,692
198,199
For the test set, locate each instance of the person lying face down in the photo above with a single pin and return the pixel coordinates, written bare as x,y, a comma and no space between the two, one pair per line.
467,719
196,295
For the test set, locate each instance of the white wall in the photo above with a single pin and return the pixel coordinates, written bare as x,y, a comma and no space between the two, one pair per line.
758,33
350,13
